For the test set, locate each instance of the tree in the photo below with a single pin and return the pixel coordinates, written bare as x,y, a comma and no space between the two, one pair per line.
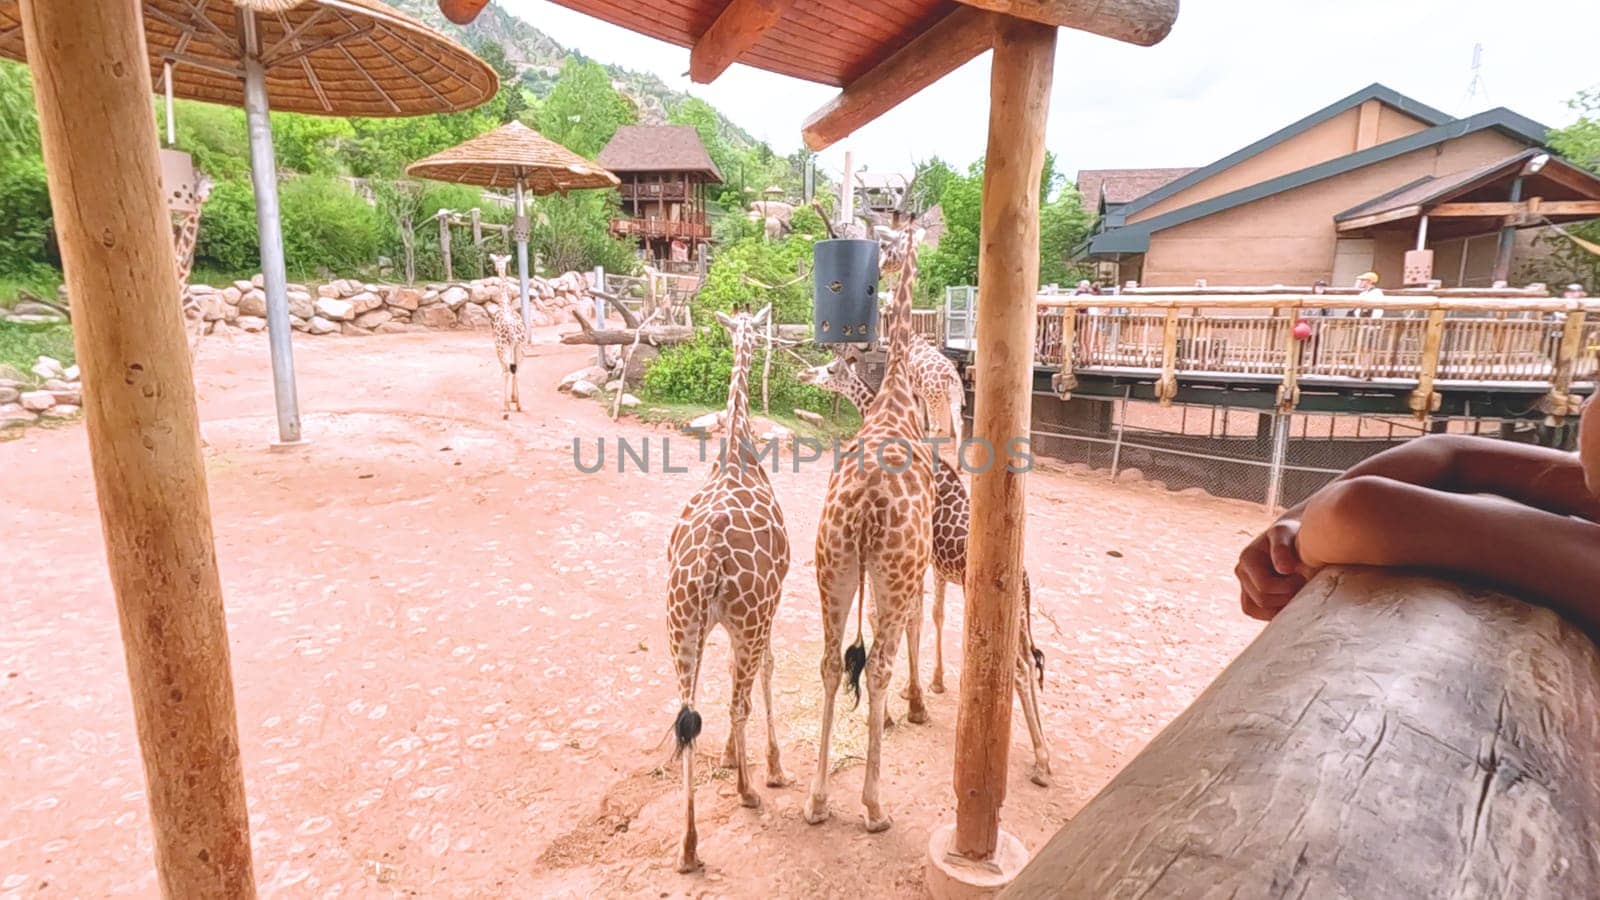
510,103
1565,261
583,110
928,183
310,144
19,124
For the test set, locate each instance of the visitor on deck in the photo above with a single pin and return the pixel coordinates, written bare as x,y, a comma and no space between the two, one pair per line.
1367,289
1573,292
1517,516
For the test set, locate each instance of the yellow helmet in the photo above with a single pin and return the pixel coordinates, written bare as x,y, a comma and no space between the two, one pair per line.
1368,276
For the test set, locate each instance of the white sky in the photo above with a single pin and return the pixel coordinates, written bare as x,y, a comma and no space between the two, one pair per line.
1231,71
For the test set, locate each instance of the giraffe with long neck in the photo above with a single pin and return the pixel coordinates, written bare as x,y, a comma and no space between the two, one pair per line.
951,524
727,558
510,338
875,527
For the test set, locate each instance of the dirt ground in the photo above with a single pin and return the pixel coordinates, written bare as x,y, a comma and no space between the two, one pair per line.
448,650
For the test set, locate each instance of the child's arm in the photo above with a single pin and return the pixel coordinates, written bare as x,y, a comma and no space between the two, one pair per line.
1543,556
1270,572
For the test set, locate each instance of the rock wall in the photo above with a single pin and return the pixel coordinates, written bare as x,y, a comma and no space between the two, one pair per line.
48,391
349,307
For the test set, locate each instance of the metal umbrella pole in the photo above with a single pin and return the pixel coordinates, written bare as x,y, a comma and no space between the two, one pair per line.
520,229
264,177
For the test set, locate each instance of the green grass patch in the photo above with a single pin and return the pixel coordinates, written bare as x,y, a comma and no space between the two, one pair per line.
680,414
22,344
41,282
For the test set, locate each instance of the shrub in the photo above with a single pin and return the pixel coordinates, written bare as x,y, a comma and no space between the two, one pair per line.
227,238
326,226
25,223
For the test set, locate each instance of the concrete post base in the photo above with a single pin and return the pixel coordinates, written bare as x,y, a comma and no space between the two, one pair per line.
954,877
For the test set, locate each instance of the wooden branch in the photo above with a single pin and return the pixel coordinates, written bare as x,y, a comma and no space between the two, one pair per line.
935,53
655,336
615,302
1386,735
143,435
1142,22
737,29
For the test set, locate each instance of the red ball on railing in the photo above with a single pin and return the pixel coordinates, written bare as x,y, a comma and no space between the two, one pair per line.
1302,330
462,12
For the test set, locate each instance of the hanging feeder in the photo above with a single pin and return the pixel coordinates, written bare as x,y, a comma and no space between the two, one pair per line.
845,291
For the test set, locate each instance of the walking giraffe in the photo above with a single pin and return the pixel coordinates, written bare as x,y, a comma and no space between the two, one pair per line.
952,512
875,525
510,337
728,556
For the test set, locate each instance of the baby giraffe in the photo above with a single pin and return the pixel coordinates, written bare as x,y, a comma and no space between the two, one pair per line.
510,338
727,557
951,520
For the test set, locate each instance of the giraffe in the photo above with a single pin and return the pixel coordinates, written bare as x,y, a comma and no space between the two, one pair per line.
951,522
875,526
728,556
510,337
934,377
185,233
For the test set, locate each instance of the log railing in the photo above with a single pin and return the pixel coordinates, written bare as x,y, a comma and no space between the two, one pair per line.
1385,736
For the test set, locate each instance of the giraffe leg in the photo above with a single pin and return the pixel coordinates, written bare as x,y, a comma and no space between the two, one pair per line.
937,685
505,381
516,377
894,601
836,582
746,660
917,712
1026,692
776,776
687,631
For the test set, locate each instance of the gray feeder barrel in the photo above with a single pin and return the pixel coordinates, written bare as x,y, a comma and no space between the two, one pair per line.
845,291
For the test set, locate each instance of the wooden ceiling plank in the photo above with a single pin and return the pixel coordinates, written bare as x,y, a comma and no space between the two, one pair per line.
1142,22
932,55
740,26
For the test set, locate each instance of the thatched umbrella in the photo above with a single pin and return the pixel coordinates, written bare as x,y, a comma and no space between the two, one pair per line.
323,57
515,156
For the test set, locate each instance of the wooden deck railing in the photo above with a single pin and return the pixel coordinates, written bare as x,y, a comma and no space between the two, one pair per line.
1512,341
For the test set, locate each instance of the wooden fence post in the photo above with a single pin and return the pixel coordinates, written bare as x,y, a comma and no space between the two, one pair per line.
92,89
1560,402
1065,381
1167,387
1424,400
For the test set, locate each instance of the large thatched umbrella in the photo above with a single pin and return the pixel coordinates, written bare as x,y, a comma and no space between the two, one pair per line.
515,156
323,57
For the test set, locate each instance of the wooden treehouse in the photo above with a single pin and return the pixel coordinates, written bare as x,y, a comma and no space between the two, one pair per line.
665,171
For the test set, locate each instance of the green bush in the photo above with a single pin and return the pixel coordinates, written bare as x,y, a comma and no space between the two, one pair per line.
739,271
698,373
573,233
25,223
22,344
326,226
227,238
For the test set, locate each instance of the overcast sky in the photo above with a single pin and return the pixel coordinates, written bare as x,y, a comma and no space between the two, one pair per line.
1231,71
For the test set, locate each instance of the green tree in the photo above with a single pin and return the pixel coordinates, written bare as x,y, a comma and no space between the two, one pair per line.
1565,261
583,110
928,183
310,144
19,124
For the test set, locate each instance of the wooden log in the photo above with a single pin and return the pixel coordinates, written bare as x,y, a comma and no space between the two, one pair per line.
1385,736
957,38
654,335
92,91
1424,399
1142,22
738,28
1008,267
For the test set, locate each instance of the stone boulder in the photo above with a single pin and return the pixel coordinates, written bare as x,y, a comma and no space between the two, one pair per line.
37,401
300,305
372,318
71,373
629,401
232,295
351,329
319,325
39,310
243,287
473,316
592,374
72,396
253,303
298,324
436,316
328,290
398,328
406,298
642,357
9,395
337,310
47,367
12,415
252,324
365,301
581,388
454,296
258,280
61,411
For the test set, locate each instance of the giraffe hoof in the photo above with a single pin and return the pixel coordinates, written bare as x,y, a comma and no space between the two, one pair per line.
1040,776
816,811
729,761
778,778
917,716
880,824
751,800
937,685
690,865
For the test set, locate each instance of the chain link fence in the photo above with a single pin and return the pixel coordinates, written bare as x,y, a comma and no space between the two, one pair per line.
1247,454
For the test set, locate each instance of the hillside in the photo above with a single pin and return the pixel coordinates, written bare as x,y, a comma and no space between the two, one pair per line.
538,58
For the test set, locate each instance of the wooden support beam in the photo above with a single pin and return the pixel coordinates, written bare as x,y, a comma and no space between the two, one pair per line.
1424,399
1387,735
738,28
1142,22
1008,269
1543,207
935,53
143,434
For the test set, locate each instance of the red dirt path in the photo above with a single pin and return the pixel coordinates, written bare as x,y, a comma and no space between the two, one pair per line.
448,648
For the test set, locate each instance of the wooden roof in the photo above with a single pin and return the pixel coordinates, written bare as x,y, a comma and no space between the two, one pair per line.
658,148
1123,185
880,51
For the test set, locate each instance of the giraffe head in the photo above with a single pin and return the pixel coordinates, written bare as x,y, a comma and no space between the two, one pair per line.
499,260
895,246
827,376
741,325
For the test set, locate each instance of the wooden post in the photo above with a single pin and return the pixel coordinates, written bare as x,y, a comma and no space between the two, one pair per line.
91,82
444,245
1066,379
1167,387
1008,269
1560,401
1508,239
1387,735
1423,399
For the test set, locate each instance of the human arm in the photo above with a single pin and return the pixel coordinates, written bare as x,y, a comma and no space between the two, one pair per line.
1541,556
1271,572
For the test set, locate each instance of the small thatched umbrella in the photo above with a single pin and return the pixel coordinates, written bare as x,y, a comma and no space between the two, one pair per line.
515,156
323,57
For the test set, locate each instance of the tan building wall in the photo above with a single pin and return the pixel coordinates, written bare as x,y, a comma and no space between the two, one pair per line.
1352,130
1289,238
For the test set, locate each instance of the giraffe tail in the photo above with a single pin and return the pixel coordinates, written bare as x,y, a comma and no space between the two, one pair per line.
855,656
685,730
